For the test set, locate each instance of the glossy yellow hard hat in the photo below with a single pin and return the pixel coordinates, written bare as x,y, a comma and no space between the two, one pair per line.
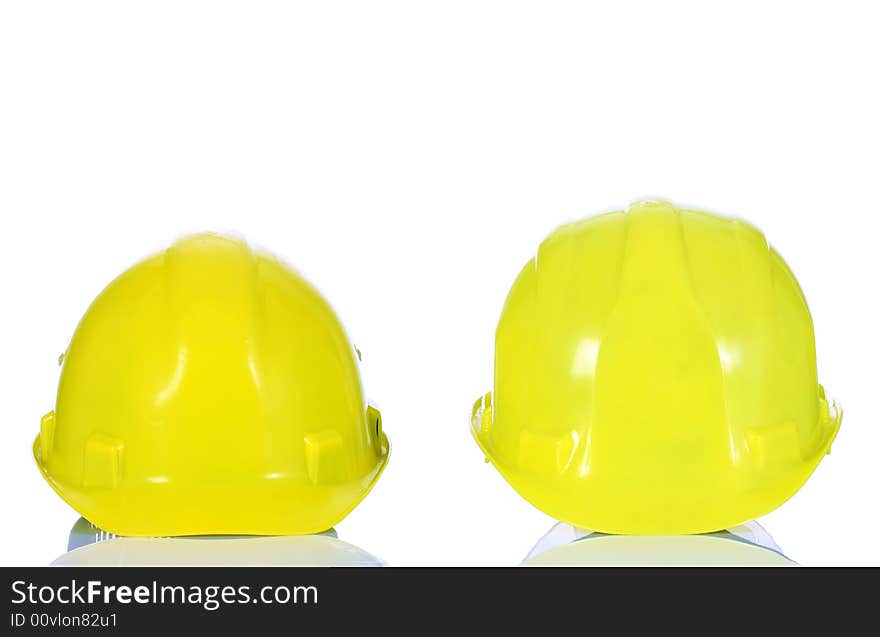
655,373
211,390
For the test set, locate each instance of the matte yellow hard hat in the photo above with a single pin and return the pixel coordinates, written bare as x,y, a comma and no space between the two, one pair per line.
655,373
211,390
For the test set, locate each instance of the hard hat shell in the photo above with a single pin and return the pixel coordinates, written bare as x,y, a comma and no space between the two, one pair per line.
210,389
655,373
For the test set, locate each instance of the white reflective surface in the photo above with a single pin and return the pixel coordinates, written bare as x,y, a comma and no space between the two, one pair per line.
89,546
745,545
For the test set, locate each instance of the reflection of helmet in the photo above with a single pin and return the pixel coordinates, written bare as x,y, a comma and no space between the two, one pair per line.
92,547
734,547
211,390
655,373
285,550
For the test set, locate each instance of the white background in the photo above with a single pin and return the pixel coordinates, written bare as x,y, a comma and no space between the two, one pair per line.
408,158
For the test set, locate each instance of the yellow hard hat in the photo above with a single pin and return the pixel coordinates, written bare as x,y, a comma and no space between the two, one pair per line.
655,373
211,390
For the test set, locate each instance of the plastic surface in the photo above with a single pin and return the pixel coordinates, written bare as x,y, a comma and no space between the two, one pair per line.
211,390
655,373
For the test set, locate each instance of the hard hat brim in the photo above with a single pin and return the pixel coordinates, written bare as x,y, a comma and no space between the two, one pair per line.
545,494
101,508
